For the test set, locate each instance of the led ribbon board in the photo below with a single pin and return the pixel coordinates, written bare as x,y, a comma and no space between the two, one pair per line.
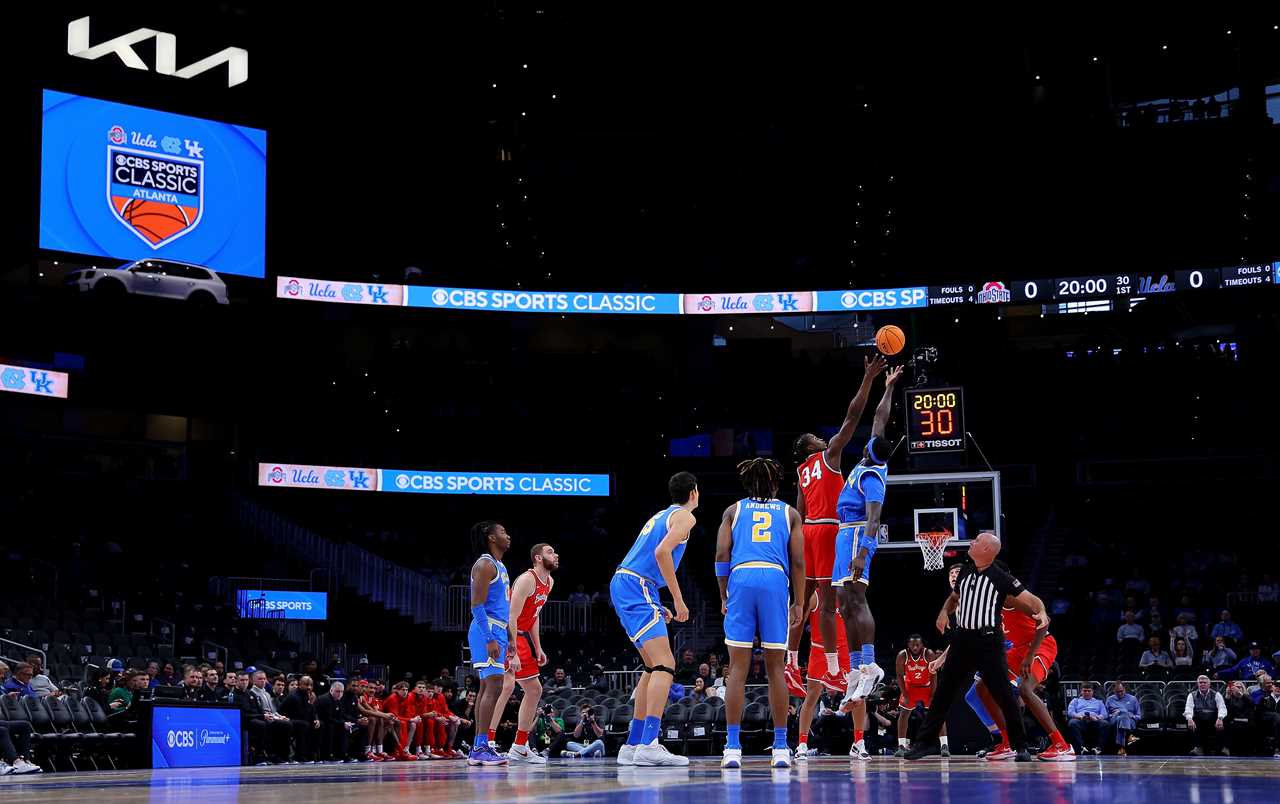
417,481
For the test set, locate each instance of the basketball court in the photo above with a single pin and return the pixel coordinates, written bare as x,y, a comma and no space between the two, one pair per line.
1133,780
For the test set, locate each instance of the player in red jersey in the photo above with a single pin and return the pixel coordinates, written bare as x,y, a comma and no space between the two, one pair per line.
528,595
399,705
820,483
917,685
380,722
819,678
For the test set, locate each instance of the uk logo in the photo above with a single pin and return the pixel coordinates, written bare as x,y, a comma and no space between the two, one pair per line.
359,480
276,475
378,295
158,197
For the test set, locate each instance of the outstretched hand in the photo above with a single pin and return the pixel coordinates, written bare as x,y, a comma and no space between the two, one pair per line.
892,376
872,366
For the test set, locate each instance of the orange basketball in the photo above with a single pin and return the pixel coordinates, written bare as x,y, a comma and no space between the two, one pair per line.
890,340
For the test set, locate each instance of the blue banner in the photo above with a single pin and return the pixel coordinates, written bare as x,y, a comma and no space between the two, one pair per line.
843,301
194,737
131,183
516,484
522,301
282,604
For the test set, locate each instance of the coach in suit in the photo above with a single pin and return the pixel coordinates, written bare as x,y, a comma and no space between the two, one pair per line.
343,730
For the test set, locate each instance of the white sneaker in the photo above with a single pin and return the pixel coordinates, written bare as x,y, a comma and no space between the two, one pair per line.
853,683
656,754
781,758
5,768
858,752
871,676
627,755
732,758
802,752
521,754
23,766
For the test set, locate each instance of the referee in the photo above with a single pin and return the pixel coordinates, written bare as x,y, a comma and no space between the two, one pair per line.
978,644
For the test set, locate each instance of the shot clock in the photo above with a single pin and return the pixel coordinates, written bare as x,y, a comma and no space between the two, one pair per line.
935,420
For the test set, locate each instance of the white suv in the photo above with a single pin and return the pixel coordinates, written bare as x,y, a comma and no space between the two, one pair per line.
164,278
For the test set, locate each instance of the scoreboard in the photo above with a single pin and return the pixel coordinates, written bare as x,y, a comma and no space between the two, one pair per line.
935,420
1105,286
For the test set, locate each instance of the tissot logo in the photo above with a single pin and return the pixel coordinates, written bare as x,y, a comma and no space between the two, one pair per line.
236,58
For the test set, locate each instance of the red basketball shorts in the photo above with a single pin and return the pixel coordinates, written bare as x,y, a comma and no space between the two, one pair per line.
528,658
1040,663
819,551
914,696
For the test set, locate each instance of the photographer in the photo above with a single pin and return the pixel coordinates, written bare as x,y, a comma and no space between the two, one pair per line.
587,729
548,732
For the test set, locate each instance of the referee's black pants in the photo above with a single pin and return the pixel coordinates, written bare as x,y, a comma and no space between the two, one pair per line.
981,651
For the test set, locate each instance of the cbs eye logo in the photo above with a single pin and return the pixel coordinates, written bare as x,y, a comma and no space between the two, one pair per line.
181,739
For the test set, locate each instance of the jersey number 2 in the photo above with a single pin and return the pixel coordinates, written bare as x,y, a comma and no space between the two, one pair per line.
762,522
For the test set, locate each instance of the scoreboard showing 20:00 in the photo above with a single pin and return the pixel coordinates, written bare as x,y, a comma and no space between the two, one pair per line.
935,420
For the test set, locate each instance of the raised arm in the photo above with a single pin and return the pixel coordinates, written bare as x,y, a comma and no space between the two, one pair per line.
679,523
886,404
871,368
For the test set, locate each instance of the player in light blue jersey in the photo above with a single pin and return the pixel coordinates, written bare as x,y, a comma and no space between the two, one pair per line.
650,565
490,610
859,511
760,548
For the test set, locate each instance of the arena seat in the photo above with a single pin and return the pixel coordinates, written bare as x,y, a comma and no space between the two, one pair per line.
702,721
755,719
619,723
674,720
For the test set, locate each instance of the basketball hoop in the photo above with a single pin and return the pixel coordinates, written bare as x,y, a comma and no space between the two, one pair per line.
933,543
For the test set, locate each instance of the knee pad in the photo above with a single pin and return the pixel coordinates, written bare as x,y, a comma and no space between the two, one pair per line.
657,668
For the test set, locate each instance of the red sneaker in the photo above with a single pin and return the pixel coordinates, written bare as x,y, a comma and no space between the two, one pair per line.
383,756
1059,752
1000,752
836,683
372,757
795,681
437,753
404,756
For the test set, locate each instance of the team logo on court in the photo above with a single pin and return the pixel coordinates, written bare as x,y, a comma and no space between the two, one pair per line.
276,475
994,293
157,196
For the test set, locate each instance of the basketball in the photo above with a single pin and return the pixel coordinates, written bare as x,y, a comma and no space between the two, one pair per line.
890,340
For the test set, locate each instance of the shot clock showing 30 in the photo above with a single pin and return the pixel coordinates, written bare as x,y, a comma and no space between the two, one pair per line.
935,420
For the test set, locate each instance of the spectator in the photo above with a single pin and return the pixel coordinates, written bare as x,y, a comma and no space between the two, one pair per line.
558,684
713,664
99,688
1268,589
548,731
1263,687
1130,630
1241,729
320,681
120,699
40,682
580,597
1219,656
268,729
1268,713
1155,620
1183,630
300,708
699,692
343,728
193,686
587,736
688,670
1182,659
446,682
599,681
168,677
213,681
1123,712
1087,717
1205,714
1251,666
1227,629
15,748
465,708
1155,660
704,673
279,691
757,675
153,674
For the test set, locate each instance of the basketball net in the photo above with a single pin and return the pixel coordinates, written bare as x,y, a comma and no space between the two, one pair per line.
933,543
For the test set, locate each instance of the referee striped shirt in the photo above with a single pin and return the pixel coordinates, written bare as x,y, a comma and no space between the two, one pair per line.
982,594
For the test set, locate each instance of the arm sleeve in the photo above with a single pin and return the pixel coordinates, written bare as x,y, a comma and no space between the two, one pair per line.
1189,710
1222,706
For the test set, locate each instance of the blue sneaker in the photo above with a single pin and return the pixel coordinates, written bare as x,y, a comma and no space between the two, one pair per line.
486,756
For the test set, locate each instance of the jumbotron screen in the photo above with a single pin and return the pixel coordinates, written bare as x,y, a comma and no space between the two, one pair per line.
123,182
